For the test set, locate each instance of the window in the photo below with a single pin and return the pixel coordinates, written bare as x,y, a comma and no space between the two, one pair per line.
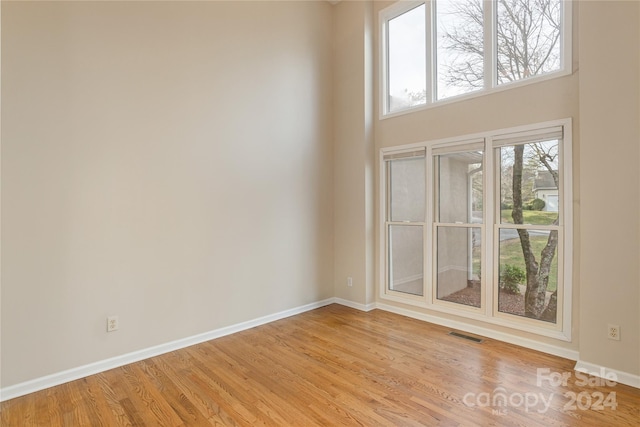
405,216
528,234
438,49
407,50
458,222
527,38
459,47
480,227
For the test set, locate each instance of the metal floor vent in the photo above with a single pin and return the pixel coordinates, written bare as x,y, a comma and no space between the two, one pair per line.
466,337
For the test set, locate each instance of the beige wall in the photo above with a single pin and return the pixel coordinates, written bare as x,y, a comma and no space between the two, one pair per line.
167,162
610,150
353,152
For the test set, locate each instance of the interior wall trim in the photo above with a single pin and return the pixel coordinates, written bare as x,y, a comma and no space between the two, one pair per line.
608,374
72,374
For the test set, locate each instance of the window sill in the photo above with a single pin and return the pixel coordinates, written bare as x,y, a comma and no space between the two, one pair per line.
503,320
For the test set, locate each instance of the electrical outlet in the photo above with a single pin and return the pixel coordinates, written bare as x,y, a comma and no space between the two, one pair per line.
613,332
112,323
349,281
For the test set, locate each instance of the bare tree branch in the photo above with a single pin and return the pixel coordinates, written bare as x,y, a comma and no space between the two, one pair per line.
527,36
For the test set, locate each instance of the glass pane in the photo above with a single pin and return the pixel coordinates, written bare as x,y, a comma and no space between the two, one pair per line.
405,259
406,195
460,47
460,187
458,265
528,38
407,59
529,183
540,302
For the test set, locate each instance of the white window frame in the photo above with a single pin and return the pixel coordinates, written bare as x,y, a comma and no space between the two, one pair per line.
455,146
386,223
488,312
490,58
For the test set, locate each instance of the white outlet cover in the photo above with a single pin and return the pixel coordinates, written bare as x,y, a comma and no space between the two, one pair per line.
112,323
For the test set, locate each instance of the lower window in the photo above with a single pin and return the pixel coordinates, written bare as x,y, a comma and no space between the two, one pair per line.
479,227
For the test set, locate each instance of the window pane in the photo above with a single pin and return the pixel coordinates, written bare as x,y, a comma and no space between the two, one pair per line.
460,46
405,259
407,192
529,182
528,38
458,265
460,187
407,59
513,282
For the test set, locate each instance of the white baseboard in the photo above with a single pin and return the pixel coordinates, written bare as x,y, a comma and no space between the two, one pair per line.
596,370
479,330
58,378
45,382
356,305
608,373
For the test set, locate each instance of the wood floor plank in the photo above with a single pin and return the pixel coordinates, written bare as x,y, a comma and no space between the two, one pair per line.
269,387
333,366
233,400
50,398
269,393
152,398
104,392
183,407
137,407
199,397
97,403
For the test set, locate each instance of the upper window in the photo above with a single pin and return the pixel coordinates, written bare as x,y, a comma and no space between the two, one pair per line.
438,49
407,50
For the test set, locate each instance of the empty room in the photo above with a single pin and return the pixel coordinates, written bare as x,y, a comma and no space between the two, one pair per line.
318,213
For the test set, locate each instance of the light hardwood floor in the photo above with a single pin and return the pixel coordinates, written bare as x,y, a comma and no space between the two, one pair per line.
333,366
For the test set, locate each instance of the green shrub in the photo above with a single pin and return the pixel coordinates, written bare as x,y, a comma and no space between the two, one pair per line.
510,277
537,204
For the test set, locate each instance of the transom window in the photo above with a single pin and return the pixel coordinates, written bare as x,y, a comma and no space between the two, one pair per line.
435,50
480,226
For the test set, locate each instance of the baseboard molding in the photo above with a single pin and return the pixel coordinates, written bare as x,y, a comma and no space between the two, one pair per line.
52,380
356,305
608,373
479,330
45,382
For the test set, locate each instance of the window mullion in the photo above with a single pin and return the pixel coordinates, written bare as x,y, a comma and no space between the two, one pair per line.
385,58
490,54
566,46
492,211
430,54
